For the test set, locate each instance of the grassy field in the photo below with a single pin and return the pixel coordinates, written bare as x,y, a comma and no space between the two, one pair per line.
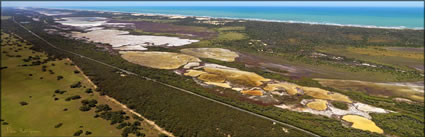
37,88
231,33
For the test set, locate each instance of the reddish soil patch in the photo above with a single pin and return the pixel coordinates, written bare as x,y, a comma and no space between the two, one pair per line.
189,31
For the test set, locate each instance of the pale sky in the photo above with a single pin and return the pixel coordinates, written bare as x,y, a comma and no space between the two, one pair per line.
217,3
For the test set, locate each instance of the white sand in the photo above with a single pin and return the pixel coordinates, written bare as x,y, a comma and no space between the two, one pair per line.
122,41
83,21
54,13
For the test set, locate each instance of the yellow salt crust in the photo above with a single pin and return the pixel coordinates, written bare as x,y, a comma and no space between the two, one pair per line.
193,73
362,123
207,77
291,89
213,53
237,76
318,93
159,60
224,85
324,94
253,92
318,104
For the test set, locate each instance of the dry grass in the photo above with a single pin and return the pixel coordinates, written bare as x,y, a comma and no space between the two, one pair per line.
362,123
237,77
213,53
159,60
253,92
318,104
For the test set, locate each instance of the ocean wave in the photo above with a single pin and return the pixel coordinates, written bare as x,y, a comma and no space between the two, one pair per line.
256,19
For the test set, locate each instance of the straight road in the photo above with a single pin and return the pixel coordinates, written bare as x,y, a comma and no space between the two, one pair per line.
171,86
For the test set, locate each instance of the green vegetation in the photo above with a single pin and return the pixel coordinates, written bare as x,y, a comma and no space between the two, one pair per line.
399,124
186,115
340,105
43,114
176,111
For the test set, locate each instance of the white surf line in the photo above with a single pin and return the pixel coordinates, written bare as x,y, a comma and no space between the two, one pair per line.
150,122
171,86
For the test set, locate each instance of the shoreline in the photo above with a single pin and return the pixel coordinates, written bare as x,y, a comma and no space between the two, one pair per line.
245,19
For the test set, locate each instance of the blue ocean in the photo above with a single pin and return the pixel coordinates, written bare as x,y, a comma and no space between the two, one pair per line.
382,17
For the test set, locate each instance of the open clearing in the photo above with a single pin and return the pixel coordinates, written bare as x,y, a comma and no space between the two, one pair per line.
413,91
159,60
213,53
37,88
228,36
362,123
